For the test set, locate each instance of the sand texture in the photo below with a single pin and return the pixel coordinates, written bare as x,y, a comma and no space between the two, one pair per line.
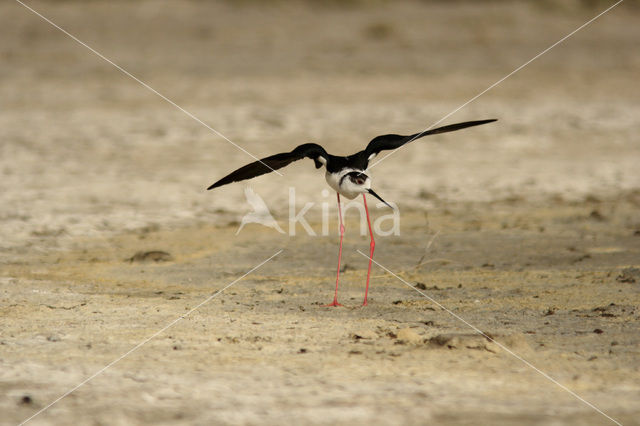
113,254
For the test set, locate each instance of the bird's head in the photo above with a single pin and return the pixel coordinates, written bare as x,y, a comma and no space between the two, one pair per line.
354,183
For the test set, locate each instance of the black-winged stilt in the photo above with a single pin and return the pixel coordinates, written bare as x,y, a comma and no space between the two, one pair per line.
346,175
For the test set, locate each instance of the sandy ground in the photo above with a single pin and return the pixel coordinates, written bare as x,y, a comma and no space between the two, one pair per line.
527,229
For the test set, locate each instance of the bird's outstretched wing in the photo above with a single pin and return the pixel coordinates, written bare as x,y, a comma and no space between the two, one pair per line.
381,143
275,162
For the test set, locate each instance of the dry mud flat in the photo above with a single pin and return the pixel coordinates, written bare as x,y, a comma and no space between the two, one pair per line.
552,283
108,236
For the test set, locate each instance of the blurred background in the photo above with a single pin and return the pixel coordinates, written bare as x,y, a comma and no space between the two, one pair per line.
86,150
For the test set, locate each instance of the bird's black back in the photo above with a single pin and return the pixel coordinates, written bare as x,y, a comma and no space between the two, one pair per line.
356,161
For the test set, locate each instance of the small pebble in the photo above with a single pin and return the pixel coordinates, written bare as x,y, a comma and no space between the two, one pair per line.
364,334
150,256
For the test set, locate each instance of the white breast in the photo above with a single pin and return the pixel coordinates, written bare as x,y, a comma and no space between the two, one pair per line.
348,190
333,179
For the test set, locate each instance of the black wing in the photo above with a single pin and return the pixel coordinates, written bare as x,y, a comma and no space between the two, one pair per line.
380,143
275,162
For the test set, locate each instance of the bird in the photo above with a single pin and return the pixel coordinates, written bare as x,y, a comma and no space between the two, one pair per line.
347,175
260,213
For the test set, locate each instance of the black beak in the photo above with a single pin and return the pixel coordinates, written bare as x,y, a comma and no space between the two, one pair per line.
370,191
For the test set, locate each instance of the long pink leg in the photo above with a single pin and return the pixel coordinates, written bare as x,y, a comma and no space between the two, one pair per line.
335,296
372,247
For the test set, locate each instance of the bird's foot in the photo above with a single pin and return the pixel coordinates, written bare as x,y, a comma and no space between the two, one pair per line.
334,304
